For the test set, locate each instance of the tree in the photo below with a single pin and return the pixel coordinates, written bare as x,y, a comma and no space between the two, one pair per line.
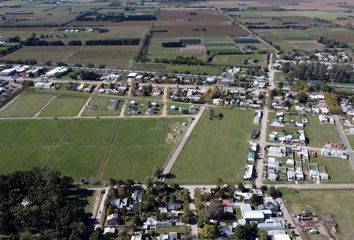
137,220
209,231
158,171
187,214
45,203
273,192
240,232
263,235
302,97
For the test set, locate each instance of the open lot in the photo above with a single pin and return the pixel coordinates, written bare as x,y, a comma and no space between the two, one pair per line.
79,147
64,106
216,148
330,205
26,105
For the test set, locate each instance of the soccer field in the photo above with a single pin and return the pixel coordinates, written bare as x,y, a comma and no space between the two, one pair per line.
121,149
216,149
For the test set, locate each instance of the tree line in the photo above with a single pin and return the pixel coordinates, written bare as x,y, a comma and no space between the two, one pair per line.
343,73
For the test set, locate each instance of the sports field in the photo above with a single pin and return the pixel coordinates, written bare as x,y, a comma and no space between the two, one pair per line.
328,205
88,148
216,149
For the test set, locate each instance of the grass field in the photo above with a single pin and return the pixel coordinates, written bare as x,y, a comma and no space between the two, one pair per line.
131,148
320,134
64,106
323,203
135,154
26,105
216,148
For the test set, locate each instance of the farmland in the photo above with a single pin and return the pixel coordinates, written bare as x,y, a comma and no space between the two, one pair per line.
79,147
333,204
114,56
216,149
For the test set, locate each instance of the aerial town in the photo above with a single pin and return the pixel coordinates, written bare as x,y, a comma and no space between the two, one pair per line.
176,119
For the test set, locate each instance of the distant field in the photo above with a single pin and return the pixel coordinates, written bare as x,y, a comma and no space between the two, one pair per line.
43,54
112,56
216,149
79,147
239,59
334,204
24,33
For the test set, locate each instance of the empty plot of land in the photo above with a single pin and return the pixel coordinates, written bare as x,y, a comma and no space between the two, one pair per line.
26,105
321,134
216,149
64,106
331,206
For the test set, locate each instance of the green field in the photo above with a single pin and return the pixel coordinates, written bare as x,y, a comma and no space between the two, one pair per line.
320,134
325,203
26,105
87,148
64,106
216,148
136,154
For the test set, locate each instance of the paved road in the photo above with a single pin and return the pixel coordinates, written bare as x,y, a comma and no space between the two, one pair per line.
344,139
171,162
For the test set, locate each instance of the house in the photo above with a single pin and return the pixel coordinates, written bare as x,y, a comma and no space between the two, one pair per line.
271,224
169,236
174,206
253,216
275,151
113,219
249,170
111,230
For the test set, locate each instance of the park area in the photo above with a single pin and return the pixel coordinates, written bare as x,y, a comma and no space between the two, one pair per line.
95,148
216,149
333,208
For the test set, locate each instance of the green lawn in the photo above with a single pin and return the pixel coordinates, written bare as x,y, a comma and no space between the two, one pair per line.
320,134
26,105
8,129
77,161
64,106
216,148
323,203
